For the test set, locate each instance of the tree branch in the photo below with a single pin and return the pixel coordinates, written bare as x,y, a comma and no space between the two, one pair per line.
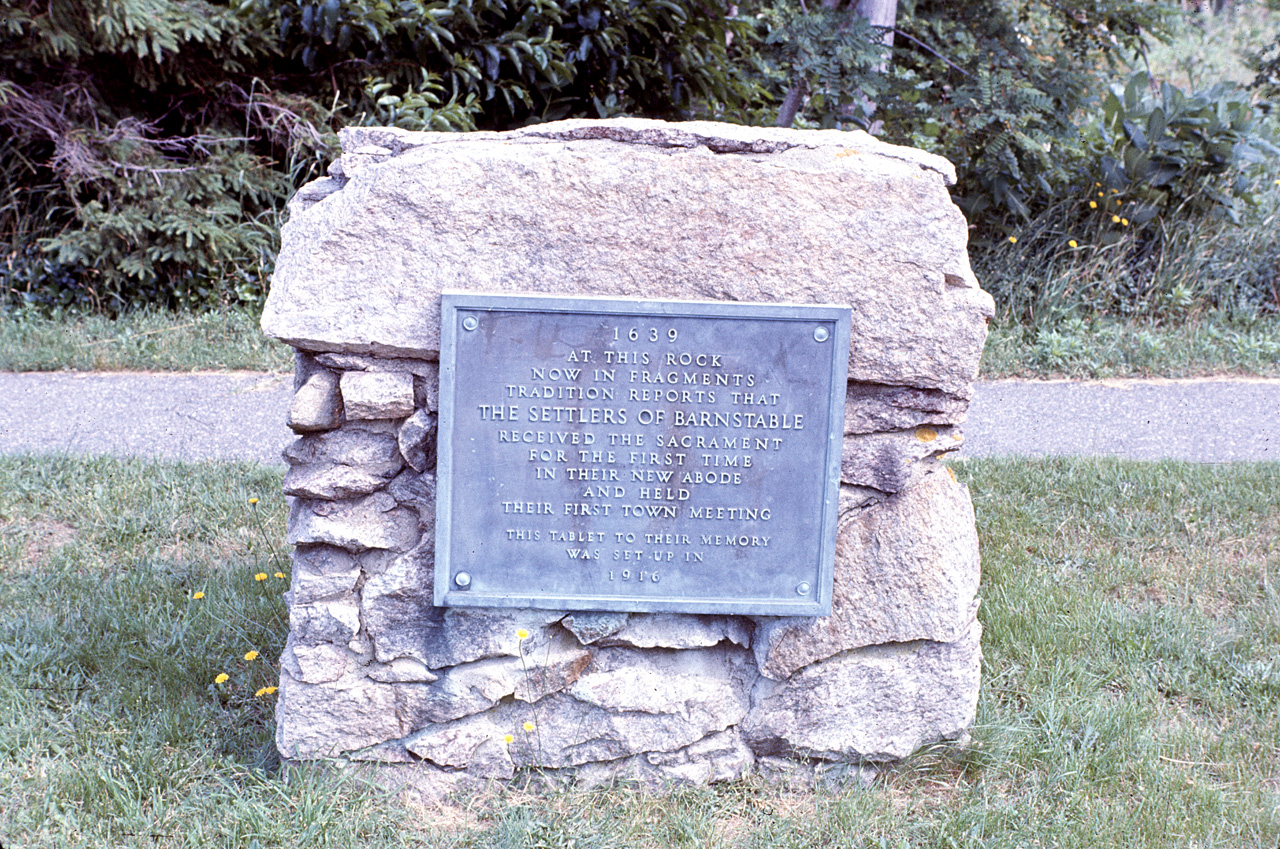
930,49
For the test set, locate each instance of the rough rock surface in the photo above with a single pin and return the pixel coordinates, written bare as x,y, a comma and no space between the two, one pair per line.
880,703
474,633
626,703
892,461
355,460
317,405
416,439
325,720
874,408
375,521
818,217
678,631
377,394
396,606
907,569
315,664
713,759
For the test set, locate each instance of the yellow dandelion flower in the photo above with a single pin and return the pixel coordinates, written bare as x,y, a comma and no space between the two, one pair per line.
253,500
1073,243
1119,202
222,678
1101,195
261,692
261,576
197,595
1115,191
1278,182
1115,219
1093,204
1098,185
279,574
269,690
251,655
1013,240
1124,221
509,739
522,634
528,726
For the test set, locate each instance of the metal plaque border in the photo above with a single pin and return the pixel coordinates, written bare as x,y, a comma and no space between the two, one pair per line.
451,301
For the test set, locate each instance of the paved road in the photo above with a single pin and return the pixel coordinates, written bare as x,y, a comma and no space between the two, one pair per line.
233,416
241,416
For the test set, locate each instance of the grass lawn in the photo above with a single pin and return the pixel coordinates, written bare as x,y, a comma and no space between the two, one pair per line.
229,340
1131,689
221,341
1100,349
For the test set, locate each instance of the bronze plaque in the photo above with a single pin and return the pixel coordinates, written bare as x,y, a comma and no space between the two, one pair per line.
639,455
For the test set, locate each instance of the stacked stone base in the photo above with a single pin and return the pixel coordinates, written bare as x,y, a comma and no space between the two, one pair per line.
376,677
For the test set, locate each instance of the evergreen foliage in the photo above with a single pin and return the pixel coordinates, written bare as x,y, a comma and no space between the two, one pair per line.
147,147
150,145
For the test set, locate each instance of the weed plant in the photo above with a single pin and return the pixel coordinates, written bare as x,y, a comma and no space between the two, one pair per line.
1131,687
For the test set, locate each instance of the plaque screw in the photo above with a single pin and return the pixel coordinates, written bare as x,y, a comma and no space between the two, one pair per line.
462,579
803,589
470,323
821,334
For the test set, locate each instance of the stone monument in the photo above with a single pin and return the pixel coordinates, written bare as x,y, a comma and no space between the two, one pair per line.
800,595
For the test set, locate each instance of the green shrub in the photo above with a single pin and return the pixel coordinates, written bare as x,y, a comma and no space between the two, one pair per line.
1173,153
150,146
144,164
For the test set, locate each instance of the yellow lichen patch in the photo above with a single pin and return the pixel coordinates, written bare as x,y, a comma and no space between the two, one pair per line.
926,434
952,472
846,152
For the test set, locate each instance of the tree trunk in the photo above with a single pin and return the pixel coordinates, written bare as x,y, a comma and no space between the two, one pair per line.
791,104
881,13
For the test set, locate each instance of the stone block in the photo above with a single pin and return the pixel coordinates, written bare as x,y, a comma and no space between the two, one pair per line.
475,687
353,461
323,560
635,702
315,664
402,670
335,621
355,362
417,440
377,395
879,703
310,587
317,405
396,604
575,201
328,720
466,634
372,522
416,491
590,625
876,408
906,569
891,461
